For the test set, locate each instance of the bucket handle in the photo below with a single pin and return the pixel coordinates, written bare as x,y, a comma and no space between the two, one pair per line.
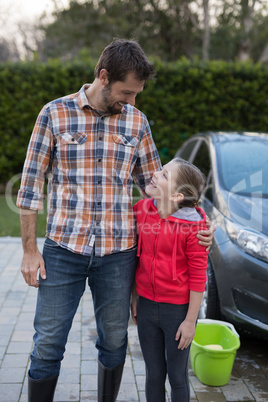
225,323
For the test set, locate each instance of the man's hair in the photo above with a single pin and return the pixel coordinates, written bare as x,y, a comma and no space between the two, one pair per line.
121,57
191,182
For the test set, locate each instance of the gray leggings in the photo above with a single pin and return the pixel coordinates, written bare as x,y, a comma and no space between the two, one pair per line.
157,327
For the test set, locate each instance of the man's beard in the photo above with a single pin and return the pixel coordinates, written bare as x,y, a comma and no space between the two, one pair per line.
108,101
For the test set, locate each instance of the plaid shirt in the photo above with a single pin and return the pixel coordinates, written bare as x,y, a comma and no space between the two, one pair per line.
89,160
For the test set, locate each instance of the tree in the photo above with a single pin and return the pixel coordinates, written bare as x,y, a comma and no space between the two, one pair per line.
19,36
239,30
8,47
247,11
8,51
168,29
206,33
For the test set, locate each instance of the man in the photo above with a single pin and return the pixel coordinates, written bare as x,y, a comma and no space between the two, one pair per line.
90,145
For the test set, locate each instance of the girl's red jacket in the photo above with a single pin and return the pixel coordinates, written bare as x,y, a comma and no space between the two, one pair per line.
171,262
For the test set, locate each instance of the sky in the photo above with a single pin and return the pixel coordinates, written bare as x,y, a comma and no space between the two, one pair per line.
29,8
23,13
13,11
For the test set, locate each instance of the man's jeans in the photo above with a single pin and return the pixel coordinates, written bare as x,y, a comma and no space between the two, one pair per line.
157,327
110,279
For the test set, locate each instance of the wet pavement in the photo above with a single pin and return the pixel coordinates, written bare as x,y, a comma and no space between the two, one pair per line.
78,378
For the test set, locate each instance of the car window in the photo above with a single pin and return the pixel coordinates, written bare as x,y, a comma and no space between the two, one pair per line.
243,166
202,159
208,193
187,150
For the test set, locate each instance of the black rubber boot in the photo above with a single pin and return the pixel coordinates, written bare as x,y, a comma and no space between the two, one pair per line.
41,390
109,382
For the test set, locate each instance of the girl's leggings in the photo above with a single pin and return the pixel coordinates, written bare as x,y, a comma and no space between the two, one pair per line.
157,327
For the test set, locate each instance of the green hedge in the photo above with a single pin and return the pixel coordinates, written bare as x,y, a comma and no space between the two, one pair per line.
186,98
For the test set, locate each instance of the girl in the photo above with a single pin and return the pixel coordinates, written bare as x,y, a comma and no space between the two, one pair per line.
171,276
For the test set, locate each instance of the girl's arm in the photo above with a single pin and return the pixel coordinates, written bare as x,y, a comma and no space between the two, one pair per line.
197,263
186,330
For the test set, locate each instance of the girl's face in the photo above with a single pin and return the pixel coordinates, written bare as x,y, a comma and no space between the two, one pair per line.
164,182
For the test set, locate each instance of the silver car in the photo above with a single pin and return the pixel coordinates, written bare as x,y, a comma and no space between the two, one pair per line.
236,200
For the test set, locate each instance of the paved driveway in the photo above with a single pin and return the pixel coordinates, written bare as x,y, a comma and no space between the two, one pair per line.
78,378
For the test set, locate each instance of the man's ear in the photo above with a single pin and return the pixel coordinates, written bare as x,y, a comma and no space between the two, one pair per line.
177,197
104,77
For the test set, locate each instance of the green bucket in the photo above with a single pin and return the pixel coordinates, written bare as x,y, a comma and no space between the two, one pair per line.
211,365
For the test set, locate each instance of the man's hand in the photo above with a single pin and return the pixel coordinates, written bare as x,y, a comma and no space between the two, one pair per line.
206,236
32,258
31,262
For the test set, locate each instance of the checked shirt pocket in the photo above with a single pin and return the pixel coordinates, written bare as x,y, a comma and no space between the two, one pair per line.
125,147
126,140
70,152
75,138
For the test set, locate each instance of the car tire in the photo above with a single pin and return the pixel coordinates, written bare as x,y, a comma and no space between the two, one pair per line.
210,306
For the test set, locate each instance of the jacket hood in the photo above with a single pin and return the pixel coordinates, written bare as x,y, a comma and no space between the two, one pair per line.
178,214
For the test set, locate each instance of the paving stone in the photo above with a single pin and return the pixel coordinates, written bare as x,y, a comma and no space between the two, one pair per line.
88,350
192,394
210,396
75,336
128,376
67,393
5,334
12,375
128,392
2,352
140,381
236,390
89,367
258,386
15,360
139,367
10,312
86,396
89,382
128,361
199,387
71,360
10,392
69,375
20,347
21,336
7,319
142,396
73,348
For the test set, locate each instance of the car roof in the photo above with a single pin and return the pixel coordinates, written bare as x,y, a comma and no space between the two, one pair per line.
221,136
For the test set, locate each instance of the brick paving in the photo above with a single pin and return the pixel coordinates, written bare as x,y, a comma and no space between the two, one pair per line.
78,378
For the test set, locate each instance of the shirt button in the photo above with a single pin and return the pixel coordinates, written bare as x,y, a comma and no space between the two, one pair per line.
99,203
100,138
99,182
97,223
99,160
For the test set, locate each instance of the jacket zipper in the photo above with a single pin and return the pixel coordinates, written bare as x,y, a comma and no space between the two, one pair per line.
155,243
